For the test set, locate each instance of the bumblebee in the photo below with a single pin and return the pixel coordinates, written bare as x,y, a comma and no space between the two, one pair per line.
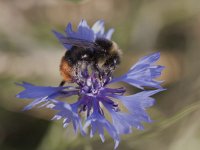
102,55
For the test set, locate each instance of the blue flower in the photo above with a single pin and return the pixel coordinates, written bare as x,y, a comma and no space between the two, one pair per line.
94,92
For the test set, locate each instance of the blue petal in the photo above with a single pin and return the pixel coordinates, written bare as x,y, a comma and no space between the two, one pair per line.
120,123
123,122
143,73
69,31
34,103
32,92
97,122
42,94
119,91
60,37
68,113
84,32
137,103
108,35
98,28
152,58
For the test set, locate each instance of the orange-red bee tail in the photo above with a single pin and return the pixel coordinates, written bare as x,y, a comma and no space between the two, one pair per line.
66,71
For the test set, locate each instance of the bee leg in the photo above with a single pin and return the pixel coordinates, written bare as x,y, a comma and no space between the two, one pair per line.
62,83
78,68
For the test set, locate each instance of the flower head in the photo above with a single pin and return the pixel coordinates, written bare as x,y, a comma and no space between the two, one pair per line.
95,95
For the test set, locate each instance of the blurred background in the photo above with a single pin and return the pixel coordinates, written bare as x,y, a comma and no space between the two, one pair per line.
30,52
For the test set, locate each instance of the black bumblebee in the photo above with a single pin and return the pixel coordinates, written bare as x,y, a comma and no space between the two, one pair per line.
102,55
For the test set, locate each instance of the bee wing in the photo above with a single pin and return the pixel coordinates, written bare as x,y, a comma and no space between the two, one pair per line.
78,42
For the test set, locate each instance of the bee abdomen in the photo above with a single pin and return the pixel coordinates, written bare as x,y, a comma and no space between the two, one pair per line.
66,70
